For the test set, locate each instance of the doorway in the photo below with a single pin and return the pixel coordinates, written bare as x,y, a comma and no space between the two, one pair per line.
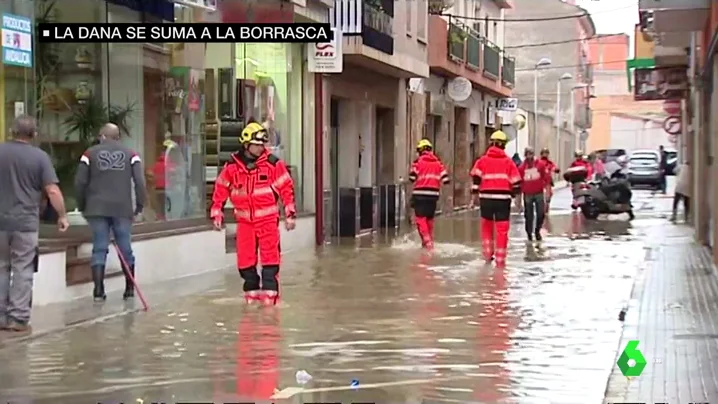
333,213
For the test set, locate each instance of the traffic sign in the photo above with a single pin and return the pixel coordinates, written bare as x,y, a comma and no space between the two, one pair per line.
672,107
672,125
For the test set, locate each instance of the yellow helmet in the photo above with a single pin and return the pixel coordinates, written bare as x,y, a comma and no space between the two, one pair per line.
254,133
499,136
424,144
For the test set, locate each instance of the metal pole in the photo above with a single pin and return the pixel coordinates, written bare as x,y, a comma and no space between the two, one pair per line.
558,114
535,139
573,120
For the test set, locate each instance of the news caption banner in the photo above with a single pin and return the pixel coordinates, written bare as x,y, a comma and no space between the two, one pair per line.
174,33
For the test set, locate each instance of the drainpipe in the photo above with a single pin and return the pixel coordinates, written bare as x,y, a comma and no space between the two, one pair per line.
319,159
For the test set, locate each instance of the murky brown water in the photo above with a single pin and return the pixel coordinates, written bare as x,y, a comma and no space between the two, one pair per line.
409,327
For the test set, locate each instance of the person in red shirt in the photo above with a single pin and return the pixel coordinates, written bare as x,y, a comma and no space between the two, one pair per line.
534,177
428,174
579,171
254,181
496,180
552,169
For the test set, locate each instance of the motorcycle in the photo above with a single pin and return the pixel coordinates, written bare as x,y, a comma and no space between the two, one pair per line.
608,196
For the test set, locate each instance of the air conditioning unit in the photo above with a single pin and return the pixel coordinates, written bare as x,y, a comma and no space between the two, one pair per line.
437,104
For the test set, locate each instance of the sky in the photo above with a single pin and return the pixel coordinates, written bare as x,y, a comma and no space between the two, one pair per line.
613,16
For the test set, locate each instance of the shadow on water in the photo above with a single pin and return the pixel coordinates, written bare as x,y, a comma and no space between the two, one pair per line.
407,325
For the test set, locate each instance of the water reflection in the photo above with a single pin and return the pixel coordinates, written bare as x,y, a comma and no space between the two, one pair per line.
410,326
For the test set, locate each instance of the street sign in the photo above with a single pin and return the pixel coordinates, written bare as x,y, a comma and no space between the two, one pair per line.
672,107
507,104
672,125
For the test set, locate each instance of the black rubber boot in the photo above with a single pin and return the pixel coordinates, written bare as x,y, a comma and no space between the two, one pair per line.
538,235
98,278
129,286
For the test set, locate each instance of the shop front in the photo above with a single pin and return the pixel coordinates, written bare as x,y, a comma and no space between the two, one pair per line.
154,93
16,69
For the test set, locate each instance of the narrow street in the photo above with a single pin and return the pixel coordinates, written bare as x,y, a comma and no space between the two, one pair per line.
406,327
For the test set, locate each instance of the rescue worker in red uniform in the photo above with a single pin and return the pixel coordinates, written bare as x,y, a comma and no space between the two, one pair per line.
579,171
254,181
427,173
496,180
534,177
552,169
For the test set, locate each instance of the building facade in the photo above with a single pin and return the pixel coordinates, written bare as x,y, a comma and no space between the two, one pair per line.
466,42
684,34
553,70
178,106
365,113
612,97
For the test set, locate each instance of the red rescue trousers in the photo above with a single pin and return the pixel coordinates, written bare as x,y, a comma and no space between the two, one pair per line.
495,215
262,237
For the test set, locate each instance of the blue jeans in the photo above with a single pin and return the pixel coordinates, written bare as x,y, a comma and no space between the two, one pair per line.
103,228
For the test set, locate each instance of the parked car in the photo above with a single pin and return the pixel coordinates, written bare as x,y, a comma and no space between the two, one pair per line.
611,154
644,168
672,161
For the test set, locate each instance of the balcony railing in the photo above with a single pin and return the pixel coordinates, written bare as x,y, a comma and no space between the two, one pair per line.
508,71
473,51
377,26
377,19
492,60
457,42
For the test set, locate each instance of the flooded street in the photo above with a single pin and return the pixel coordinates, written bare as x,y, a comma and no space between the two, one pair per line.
402,326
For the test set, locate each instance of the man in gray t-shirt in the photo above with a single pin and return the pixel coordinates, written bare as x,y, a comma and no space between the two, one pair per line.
26,172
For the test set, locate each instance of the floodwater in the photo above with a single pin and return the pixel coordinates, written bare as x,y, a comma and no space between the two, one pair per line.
401,325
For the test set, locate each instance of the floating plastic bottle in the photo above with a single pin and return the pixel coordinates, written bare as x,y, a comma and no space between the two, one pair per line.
355,383
303,377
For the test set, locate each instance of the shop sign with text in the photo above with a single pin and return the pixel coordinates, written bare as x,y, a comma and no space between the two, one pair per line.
660,83
326,57
16,40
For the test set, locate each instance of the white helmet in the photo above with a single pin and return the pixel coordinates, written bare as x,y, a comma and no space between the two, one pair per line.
622,160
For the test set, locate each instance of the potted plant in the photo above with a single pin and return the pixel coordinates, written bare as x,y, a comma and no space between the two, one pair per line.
85,121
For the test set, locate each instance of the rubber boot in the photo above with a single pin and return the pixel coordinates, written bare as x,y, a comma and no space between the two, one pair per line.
423,228
430,227
270,285
251,284
487,239
129,285
502,243
98,278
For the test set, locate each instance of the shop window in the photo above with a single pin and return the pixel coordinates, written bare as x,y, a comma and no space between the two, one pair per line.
150,90
272,74
17,93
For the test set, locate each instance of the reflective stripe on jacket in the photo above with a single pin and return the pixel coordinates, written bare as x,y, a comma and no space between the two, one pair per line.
254,188
428,173
495,175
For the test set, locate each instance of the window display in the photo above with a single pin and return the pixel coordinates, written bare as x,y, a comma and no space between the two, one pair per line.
151,91
271,84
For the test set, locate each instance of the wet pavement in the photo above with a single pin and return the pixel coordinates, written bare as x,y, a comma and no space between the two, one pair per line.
406,327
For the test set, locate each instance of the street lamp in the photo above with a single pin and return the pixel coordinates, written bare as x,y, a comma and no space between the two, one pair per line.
573,114
544,62
564,77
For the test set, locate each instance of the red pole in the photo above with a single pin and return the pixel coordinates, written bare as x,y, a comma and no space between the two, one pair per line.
319,158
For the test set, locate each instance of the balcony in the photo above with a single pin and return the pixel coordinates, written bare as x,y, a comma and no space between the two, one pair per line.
668,23
457,51
377,26
508,72
492,60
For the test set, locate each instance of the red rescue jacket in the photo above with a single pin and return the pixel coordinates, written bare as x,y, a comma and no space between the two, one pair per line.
551,168
534,176
254,187
428,173
495,175
579,170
